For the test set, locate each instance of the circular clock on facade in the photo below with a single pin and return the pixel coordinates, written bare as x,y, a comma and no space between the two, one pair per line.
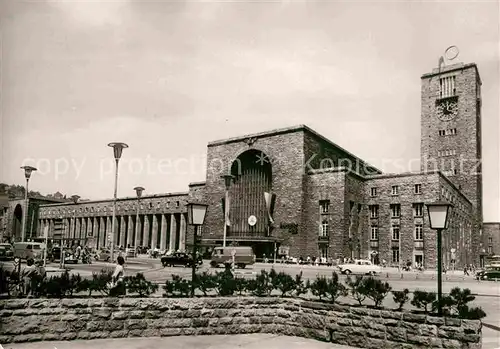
252,220
447,110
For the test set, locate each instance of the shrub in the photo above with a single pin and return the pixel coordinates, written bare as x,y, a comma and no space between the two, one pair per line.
422,300
319,287
5,278
138,284
261,285
476,313
178,287
335,289
356,288
401,298
301,287
375,289
100,281
205,282
240,284
225,284
284,283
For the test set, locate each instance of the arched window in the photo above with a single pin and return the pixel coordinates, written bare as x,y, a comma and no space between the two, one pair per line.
252,171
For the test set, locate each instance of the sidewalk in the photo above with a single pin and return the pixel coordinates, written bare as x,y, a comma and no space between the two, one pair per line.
247,341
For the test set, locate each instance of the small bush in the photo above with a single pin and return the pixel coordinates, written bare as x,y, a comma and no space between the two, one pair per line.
422,300
319,287
205,282
375,289
261,286
301,287
401,298
356,287
240,284
138,284
476,313
284,283
225,284
177,287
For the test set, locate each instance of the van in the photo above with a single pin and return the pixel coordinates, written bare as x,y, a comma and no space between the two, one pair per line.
243,256
25,250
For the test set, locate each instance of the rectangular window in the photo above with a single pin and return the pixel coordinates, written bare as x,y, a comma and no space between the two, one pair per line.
418,188
419,234
447,87
490,249
395,210
490,240
395,232
177,204
395,256
374,232
418,210
373,192
395,190
373,211
324,206
324,228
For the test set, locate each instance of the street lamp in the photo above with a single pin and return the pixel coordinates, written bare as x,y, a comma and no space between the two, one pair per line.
438,220
138,192
196,217
27,174
228,179
117,149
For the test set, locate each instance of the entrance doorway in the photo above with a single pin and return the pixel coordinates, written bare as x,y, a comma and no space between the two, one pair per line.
419,259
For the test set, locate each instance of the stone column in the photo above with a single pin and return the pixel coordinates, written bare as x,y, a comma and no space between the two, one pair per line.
123,231
51,227
39,231
67,228
95,232
108,232
173,228
102,232
78,228
84,228
163,233
154,235
182,235
145,232
138,231
130,232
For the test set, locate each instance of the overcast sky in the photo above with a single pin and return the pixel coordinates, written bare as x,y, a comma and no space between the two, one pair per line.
168,77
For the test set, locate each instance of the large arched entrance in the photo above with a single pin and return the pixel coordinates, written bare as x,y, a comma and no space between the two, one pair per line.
253,177
17,223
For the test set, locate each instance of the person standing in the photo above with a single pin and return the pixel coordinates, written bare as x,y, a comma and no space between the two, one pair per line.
118,288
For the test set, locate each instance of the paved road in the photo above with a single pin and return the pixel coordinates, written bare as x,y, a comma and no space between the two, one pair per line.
249,341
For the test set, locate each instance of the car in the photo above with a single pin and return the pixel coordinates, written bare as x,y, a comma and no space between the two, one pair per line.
242,255
360,266
492,273
178,258
6,251
130,252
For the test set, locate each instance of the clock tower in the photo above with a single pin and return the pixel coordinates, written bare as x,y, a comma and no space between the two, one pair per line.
451,131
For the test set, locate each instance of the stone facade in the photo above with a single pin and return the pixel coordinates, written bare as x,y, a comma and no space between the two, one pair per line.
453,144
491,239
153,221
68,319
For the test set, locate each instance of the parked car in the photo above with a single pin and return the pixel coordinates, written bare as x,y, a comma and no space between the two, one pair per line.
25,250
130,252
492,273
179,258
360,266
243,256
103,255
6,251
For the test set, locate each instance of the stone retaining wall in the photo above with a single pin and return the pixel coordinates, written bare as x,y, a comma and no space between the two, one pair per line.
24,320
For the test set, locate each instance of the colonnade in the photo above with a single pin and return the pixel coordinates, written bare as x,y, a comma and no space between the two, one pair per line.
162,231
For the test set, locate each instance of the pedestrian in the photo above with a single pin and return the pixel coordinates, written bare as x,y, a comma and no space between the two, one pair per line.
466,271
27,276
118,283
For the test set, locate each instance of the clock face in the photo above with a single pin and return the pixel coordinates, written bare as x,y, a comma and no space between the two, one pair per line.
447,110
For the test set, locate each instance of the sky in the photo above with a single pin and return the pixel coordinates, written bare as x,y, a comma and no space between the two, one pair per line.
167,77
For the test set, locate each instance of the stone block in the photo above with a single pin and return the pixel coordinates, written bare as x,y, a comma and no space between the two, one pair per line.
128,302
135,324
196,322
29,337
451,344
15,304
135,333
136,314
67,336
416,318
449,321
5,313
119,315
78,325
471,326
114,325
93,326
151,332
41,303
75,302
51,311
104,313
192,313
434,320
428,330
110,302
69,317
396,334
386,314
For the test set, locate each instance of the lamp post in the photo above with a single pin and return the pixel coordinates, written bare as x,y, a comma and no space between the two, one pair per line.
196,217
27,174
438,220
117,150
227,182
138,192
